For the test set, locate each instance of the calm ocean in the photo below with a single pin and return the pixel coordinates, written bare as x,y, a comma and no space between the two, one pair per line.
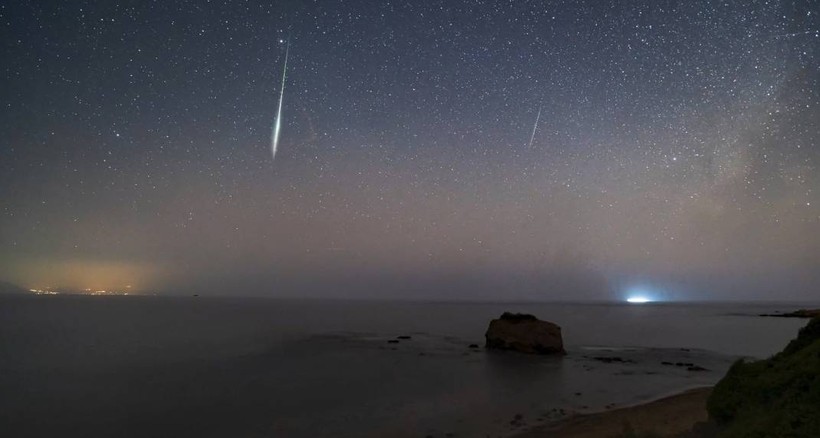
248,367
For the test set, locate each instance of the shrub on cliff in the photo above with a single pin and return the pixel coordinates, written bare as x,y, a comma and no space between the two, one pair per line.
776,397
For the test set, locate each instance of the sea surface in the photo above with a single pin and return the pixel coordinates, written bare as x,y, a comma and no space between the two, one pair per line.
251,367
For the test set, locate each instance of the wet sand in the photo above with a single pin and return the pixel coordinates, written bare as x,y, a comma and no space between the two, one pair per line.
669,416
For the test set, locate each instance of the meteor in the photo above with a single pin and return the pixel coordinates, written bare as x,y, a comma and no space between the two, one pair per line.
277,125
535,127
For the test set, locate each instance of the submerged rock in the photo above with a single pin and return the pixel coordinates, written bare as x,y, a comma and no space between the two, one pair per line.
524,333
607,359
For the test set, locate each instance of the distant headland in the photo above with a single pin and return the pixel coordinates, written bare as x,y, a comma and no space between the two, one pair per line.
802,313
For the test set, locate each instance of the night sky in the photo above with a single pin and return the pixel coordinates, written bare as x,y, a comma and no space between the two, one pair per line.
677,150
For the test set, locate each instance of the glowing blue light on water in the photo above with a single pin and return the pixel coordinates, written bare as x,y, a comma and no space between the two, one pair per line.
640,295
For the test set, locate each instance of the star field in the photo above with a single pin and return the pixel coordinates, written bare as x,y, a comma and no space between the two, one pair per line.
677,147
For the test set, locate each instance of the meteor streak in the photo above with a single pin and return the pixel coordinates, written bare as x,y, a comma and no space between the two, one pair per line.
277,126
535,127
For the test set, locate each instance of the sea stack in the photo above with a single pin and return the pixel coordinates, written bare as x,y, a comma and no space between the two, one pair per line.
524,333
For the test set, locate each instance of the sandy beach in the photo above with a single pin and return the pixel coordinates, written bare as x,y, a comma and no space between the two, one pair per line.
668,417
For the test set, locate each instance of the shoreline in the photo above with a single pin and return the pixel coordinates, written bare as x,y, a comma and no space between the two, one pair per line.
671,415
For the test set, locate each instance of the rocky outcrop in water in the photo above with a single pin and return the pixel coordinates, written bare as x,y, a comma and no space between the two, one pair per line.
524,333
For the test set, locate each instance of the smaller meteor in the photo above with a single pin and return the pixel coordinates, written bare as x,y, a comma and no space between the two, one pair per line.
277,126
535,127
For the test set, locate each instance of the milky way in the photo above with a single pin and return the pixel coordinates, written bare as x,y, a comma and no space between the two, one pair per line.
676,148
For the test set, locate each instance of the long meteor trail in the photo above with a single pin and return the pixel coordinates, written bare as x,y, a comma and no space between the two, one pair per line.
535,127
277,126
